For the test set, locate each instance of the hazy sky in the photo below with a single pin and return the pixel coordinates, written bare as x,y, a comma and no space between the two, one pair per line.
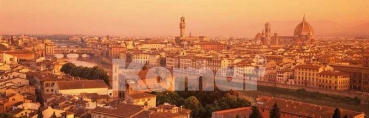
161,17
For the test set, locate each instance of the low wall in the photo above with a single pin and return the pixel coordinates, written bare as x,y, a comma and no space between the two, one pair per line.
310,89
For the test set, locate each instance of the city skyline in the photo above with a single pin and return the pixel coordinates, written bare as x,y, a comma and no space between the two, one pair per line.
161,18
184,59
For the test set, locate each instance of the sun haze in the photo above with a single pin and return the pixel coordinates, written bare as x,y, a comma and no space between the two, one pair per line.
161,17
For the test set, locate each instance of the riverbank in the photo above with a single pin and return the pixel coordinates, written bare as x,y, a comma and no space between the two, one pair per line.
99,62
349,103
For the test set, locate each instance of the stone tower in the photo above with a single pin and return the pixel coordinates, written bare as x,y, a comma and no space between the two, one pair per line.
182,27
268,33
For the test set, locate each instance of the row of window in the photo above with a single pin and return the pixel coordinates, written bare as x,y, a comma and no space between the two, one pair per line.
142,100
335,87
49,84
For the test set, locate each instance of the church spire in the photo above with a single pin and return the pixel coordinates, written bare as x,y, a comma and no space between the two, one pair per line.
303,18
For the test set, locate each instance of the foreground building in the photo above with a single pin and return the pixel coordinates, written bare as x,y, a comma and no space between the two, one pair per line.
144,99
243,112
294,109
81,86
124,110
334,80
359,76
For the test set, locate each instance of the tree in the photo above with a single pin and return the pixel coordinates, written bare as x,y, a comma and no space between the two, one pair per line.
209,110
274,112
169,97
54,115
255,113
40,98
39,113
336,113
193,104
95,72
4,115
66,68
202,103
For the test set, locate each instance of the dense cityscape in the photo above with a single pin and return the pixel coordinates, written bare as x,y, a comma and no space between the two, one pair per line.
267,75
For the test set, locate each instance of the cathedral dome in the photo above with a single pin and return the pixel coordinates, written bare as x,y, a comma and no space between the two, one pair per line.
258,36
303,29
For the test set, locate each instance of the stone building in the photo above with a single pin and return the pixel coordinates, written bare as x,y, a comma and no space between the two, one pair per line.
303,35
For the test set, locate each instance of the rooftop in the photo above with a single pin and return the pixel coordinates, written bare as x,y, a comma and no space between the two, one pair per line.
303,109
81,84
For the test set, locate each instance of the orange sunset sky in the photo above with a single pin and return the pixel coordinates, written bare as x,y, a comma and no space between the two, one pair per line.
242,18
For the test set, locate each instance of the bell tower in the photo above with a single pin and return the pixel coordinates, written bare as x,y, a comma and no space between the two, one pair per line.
182,27
267,30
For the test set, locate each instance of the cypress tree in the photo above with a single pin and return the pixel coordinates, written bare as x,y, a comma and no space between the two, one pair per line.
255,113
39,113
275,113
336,113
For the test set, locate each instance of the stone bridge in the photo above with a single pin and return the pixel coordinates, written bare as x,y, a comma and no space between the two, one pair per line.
65,50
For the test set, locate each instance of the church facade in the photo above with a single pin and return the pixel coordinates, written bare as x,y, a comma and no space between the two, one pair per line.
303,35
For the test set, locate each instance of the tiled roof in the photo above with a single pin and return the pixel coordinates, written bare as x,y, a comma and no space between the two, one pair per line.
241,109
121,111
302,109
81,84
308,67
333,73
143,114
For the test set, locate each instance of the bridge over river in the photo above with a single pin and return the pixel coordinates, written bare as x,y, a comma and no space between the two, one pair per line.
65,50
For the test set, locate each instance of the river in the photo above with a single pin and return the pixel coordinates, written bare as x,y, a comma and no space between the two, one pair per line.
73,58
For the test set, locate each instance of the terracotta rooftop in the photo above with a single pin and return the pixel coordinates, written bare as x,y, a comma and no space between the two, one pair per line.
229,113
143,114
241,109
302,109
121,111
81,84
315,67
334,73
